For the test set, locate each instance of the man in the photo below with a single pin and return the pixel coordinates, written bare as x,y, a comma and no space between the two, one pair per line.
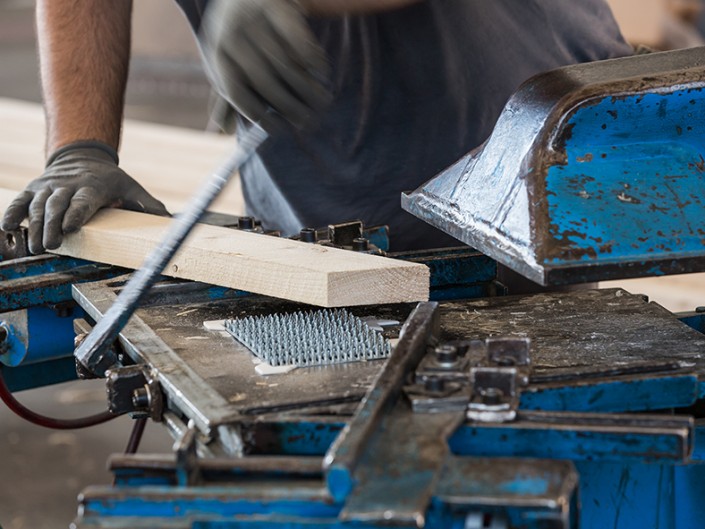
363,99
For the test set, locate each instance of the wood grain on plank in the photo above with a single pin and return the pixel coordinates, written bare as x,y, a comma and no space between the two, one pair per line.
273,266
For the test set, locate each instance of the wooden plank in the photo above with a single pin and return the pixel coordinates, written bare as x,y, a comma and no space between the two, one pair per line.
273,266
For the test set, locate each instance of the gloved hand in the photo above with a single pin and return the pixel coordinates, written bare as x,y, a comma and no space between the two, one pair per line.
261,55
79,179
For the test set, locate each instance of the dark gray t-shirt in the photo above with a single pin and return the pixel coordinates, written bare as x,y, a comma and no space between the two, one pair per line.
414,90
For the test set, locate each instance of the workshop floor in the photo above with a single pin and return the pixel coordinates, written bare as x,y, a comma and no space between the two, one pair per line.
42,472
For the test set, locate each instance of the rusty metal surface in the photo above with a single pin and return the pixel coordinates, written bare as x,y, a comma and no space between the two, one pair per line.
593,171
505,481
580,331
212,377
343,456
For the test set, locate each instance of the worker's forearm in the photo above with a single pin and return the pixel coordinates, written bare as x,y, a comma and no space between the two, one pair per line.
84,48
352,7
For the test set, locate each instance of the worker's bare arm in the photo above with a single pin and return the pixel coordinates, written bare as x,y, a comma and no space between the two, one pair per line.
84,49
351,7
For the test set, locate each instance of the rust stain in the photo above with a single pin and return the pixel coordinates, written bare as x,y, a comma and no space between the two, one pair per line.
628,199
701,164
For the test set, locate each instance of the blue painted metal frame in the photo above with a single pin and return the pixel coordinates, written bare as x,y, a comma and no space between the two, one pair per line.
40,374
602,459
694,320
621,394
41,285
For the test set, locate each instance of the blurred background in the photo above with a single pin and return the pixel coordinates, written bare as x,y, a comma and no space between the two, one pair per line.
41,472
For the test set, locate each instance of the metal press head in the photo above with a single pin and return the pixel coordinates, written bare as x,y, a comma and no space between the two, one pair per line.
593,172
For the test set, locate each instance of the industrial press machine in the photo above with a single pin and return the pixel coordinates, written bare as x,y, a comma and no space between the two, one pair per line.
555,410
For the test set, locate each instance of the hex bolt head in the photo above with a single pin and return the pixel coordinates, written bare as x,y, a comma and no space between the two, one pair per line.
307,235
506,361
446,354
491,396
435,384
360,245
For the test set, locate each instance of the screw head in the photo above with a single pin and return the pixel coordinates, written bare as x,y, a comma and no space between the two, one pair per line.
140,398
245,223
505,361
307,235
435,384
446,354
491,396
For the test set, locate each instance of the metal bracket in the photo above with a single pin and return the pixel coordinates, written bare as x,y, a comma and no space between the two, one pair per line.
480,377
188,472
134,390
495,396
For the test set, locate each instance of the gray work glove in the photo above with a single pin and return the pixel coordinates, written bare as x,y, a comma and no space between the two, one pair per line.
79,179
263,58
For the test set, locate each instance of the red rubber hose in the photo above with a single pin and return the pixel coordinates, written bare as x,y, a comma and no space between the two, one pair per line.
49,422
136,436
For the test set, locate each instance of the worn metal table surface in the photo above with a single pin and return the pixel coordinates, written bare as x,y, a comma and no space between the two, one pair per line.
212,374
212,378
585,331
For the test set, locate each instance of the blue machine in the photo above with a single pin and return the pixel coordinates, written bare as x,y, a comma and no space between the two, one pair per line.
547,411
593,172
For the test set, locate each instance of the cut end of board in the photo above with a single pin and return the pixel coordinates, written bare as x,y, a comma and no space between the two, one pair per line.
404,283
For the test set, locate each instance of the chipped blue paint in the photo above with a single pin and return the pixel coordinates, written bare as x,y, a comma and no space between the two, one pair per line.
623,197
574,444
167,502
622,495
644,394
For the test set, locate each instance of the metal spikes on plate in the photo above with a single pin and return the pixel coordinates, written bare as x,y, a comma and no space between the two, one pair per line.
309,338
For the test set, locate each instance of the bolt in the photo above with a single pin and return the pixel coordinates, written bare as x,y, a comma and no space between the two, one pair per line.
505,361
491,396
79,338
140,398
446,354
245,223
360,244
307,235
435,384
